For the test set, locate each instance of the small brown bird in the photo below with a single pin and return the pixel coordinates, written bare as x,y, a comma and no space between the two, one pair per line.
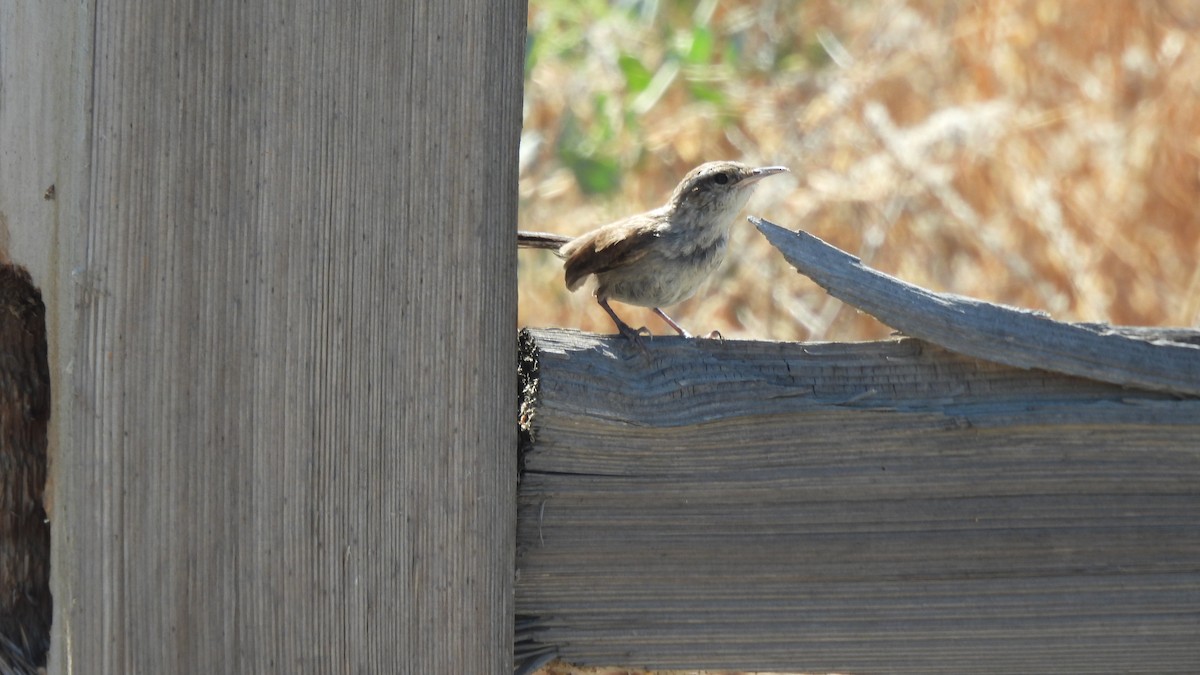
659,258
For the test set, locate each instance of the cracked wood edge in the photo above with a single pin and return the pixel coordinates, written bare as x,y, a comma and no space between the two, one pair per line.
1007,335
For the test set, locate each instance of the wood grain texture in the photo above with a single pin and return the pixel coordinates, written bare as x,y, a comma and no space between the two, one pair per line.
875,507
284,258
1007,335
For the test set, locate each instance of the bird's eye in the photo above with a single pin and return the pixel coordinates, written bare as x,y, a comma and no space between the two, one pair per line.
720,179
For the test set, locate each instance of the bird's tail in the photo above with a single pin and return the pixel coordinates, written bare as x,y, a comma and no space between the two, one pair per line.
541,240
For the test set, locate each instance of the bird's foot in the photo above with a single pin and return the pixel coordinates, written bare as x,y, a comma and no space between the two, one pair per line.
633,334
639,339
629,333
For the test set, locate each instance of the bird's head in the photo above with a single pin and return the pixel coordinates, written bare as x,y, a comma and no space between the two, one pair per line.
718,189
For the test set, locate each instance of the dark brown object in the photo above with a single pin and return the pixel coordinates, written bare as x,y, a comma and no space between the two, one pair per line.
659,258
25,604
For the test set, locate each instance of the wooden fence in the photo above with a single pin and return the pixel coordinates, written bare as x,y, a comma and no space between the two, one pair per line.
873,507
276,249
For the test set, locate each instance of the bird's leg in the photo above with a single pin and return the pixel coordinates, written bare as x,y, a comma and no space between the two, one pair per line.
633,335
678,329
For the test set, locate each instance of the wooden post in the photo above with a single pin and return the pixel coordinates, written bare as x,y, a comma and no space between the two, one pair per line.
279,265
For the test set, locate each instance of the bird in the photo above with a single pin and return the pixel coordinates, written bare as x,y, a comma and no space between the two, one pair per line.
661,257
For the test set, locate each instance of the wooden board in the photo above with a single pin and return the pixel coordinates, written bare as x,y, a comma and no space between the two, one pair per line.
877,507
1147,359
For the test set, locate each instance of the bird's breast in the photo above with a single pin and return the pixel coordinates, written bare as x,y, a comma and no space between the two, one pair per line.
665,278
693,270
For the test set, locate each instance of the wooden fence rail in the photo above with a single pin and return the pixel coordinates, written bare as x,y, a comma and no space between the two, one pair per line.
877,507
874,507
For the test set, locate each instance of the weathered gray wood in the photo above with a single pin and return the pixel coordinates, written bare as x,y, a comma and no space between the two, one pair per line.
280,267
875,507
991,332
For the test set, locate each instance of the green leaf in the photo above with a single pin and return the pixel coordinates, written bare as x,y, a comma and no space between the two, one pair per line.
701,49
637,75
595,174
703,92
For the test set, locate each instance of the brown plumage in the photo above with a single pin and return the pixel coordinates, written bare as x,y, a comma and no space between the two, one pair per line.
659,258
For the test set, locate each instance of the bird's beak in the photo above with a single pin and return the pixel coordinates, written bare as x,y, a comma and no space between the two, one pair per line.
762,172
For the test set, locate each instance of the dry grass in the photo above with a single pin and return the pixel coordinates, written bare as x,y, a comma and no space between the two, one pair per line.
1041,154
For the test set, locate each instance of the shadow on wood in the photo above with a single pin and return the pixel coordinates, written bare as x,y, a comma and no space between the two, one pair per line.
25,603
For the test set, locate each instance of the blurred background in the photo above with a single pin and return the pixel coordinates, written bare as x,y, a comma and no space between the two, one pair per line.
1036,153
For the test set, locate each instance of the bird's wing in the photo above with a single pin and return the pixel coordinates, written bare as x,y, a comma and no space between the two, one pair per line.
607,248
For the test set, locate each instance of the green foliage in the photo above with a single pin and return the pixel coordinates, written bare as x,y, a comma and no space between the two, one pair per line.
698,45
582,150
637,75
630,56
596,174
